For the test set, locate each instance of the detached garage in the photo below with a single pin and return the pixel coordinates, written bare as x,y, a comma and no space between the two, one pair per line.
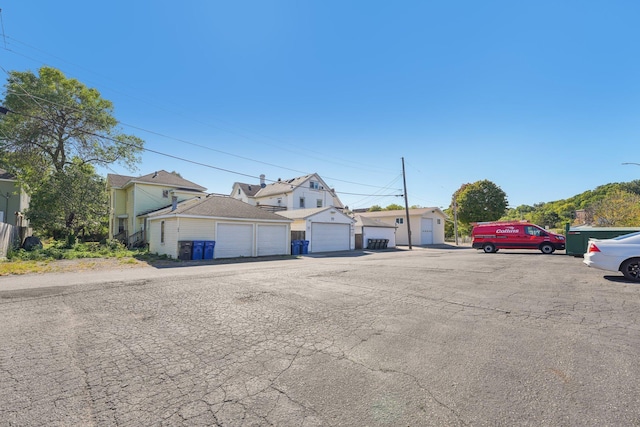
238,229
327,229
427,225
374,229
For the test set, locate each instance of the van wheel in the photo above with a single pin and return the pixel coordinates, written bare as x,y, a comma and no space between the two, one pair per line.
547,248
631,269
489,248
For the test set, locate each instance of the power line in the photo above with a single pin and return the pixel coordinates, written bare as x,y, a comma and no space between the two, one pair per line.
36,99
165,154
350,164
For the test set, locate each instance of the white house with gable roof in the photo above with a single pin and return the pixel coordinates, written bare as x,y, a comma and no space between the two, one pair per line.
304,192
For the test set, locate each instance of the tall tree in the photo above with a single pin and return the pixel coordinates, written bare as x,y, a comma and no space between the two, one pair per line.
480,201
618,209
53,121
72,202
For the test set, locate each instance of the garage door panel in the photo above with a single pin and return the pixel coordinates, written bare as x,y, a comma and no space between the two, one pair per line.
272,240
426,231
234,240
330,237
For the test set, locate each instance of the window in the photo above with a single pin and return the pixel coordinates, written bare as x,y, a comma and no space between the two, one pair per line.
399,220
162,232
319,203
302,202
533,231
314,185
165,194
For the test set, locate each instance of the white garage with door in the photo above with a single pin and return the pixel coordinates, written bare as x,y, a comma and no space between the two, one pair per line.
327,229
237,228
327,237
234,240
273,239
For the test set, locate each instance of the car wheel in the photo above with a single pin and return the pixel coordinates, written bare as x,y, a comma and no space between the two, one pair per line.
547,248
631,269
489,248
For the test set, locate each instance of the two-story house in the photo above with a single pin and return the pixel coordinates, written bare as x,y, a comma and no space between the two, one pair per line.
130,198
304,192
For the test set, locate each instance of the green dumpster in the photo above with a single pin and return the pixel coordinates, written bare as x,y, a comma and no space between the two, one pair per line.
578,237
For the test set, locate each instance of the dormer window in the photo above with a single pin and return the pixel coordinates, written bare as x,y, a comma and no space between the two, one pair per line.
314,185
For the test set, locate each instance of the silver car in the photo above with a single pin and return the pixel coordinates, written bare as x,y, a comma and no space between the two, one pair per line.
621,253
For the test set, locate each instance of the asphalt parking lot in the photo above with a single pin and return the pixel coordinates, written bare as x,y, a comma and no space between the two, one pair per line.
429,337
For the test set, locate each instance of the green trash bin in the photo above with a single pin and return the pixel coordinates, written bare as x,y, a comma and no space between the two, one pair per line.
577,238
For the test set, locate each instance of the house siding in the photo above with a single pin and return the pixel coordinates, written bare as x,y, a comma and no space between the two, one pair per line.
416,228
378,233
13,200
197,229
170,245
190,229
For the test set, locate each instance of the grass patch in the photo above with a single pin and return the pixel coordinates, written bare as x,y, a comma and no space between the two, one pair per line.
20,261
57,250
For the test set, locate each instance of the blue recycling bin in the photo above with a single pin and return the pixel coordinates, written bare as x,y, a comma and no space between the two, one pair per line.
209,246
305,246
197,249
295,247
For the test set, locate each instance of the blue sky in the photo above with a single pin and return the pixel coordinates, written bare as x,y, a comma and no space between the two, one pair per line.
542,98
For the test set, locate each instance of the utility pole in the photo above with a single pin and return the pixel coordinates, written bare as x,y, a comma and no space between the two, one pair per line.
406,204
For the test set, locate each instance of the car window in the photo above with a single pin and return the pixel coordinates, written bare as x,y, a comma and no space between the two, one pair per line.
627,236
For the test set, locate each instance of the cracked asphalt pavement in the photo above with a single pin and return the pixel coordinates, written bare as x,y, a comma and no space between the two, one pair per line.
429,337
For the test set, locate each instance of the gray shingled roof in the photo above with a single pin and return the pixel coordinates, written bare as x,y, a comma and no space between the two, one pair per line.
306,213
249,189
402,212
371,222
118,181
280,187
160,177
6,175
218,207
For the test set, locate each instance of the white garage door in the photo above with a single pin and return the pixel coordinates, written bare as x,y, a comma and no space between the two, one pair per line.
426,231
329,237
234,240
272,240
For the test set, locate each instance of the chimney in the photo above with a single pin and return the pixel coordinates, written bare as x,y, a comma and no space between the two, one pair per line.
262,184
174,203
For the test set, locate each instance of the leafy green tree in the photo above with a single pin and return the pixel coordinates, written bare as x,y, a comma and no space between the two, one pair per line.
73,202
480,201
54,121
618,209
394,207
